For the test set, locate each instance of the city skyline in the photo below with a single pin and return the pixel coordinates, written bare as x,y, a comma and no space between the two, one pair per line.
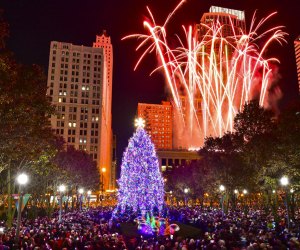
130,87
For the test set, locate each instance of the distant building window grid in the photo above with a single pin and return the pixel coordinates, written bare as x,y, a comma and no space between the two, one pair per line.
63,77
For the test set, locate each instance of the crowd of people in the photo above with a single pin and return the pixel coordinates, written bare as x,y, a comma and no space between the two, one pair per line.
93,229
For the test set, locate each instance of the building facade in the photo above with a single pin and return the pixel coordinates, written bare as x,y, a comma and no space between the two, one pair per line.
77,87
220,23
158,123
186,123
169,159
297,54
104,41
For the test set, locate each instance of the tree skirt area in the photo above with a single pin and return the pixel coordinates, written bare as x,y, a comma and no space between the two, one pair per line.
130,230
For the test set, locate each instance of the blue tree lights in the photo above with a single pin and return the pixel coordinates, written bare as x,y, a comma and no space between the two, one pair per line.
141,186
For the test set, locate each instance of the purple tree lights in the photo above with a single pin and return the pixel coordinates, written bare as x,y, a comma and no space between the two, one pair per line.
141,186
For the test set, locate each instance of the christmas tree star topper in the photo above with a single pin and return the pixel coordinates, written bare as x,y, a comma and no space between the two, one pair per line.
139,122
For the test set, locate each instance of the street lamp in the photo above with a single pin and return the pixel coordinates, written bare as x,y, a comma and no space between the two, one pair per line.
245,192
222,189
236,193
22,180
89,192
61,189
284,181
186,190
80,191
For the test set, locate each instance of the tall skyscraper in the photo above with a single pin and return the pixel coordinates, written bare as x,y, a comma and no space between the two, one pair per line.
222,22
159,122
77,86
297,54
103,41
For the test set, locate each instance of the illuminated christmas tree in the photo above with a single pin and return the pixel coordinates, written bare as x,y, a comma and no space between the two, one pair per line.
141,186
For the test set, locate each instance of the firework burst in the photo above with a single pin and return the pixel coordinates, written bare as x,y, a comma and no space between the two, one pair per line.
211,77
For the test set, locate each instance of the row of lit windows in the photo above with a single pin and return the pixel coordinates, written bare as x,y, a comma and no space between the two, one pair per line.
159,126
65,64
174,162
75,54
74,117
156,113
82,132
75,86
164,146
167,136
73,125
83,101
158,117
82,141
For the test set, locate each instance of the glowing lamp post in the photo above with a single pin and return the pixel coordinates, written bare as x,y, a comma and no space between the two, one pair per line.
236,194
275,197
80,191
61,189
89,192
22,180
222,190
245,192
284,181
186,191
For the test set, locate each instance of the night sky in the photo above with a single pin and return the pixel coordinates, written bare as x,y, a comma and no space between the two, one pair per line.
34,23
